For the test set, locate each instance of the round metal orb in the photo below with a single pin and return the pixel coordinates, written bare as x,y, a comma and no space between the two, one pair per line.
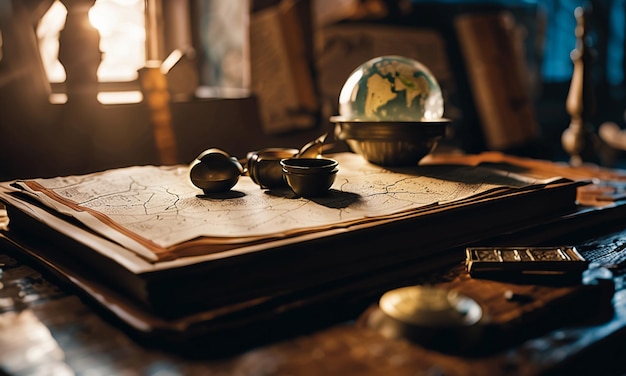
214,171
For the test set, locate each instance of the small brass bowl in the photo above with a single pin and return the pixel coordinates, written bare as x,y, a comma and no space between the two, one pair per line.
391,143
309,177
264,166
431,316
214,171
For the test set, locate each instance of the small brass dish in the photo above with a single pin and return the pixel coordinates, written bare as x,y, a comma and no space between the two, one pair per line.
431,316
429,307
214,171
309,177
264,166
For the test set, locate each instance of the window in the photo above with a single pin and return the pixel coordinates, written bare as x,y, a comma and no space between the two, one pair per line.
120,24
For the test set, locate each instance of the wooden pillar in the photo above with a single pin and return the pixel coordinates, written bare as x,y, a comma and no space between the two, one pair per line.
79,52
155,87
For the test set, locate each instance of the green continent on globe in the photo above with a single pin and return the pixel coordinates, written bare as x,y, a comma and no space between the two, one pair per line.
379,92
392,87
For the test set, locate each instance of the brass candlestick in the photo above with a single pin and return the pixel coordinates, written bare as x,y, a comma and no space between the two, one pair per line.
579,139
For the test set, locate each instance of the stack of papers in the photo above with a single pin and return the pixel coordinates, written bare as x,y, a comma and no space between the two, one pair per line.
149,233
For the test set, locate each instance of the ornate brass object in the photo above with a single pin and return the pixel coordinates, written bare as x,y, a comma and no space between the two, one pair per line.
391,143
309,177
214,170
432,316
264,166
579,140
430,307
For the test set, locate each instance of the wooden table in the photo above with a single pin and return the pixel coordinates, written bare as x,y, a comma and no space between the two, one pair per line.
45,327
49,328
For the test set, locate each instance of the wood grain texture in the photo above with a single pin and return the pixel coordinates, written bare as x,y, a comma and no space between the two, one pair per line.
84,340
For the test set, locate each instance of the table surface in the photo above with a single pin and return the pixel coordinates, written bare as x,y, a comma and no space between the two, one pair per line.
47,327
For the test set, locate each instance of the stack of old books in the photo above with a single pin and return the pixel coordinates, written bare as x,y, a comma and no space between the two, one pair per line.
167,260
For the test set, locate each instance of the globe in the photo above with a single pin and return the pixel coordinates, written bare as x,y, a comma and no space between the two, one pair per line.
391,88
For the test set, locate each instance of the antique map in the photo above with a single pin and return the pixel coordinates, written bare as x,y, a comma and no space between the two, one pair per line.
159,205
